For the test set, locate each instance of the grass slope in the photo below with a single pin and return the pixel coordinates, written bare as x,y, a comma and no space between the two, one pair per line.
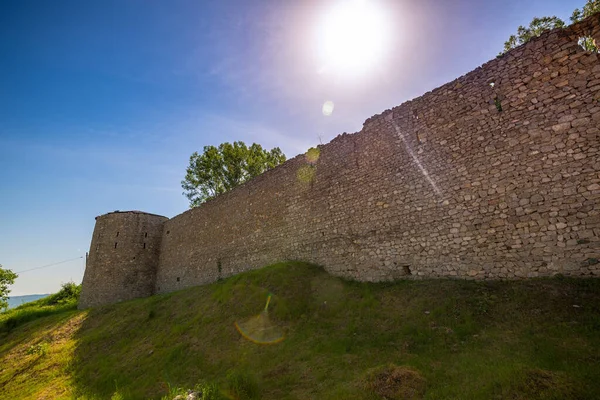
535,339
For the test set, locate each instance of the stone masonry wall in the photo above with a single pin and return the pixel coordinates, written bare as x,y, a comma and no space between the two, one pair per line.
123,258
493,175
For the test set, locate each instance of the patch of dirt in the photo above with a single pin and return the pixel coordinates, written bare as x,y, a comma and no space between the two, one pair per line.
542,384
66,330
392,382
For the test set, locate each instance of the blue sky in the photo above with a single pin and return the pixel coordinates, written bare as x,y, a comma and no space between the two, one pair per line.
102,102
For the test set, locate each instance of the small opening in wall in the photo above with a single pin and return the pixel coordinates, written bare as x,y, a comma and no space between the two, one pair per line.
168,232
115,245
406,270
144,245
133,258
177,279
117,234
588,44
146,234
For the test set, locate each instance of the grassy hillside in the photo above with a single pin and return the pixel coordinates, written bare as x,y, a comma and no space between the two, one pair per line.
432,339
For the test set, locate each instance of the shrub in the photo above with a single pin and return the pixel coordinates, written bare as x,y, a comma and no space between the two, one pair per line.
68,293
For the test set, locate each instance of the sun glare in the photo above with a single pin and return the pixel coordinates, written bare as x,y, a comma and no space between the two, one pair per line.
352,37
327,108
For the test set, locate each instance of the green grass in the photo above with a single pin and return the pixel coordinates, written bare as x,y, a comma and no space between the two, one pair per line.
457,339
64,300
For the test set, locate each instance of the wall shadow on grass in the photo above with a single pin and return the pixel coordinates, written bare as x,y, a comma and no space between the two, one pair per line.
467,339
143,347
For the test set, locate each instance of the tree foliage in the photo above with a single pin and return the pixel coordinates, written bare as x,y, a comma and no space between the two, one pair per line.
7,278
536,27
540,25
591,7
219,169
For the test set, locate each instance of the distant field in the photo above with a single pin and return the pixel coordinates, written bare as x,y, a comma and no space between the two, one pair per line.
430,339
16,301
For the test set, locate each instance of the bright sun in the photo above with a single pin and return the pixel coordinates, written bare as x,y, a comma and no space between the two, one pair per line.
352,37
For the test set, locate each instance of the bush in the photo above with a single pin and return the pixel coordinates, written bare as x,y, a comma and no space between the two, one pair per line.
69,293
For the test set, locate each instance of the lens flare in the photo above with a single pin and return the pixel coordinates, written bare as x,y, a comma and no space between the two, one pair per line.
259,329
327,108
312,155
306,173
416,160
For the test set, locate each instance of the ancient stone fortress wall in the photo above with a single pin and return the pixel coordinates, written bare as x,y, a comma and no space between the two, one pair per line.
123,258
493,175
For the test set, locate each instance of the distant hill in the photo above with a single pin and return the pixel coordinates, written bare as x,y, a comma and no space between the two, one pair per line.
16,301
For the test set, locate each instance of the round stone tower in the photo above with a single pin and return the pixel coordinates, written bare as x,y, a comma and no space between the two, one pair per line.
123,258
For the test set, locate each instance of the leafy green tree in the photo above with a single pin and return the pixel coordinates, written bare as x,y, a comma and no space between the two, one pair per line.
591,7
540,25
7,277
219,169
536,27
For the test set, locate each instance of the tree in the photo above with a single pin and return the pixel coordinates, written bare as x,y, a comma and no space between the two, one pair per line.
536,27
591,7
7,277
540,25
219,169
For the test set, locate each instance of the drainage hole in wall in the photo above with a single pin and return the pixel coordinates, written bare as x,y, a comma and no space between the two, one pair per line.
144,245
177,279
406,269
